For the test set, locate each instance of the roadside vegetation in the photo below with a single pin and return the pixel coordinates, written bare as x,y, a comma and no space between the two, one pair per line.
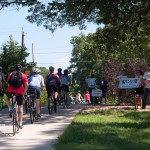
107,130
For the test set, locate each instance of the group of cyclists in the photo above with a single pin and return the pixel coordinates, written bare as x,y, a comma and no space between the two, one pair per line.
58,82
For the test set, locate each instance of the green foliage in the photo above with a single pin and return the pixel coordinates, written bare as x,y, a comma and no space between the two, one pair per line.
12,53
107,129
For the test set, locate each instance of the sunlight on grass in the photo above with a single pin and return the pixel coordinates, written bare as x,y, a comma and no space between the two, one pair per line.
107,130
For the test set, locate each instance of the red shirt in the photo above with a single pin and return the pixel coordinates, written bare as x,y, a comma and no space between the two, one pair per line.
19,90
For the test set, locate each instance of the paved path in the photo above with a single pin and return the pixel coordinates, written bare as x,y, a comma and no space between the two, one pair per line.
41,135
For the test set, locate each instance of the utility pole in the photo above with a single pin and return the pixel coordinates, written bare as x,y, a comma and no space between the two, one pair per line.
32,54
22,40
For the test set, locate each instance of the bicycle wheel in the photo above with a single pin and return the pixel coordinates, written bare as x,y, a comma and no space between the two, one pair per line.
14,123
55,105
26,106
50,105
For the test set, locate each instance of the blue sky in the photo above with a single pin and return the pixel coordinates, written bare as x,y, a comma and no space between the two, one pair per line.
49,48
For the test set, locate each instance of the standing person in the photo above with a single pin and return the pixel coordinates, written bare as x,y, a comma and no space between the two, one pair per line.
18,87
146,79
66,81
59,73
140,89
36,81
103,86
121,93
52,82
92,85
87,97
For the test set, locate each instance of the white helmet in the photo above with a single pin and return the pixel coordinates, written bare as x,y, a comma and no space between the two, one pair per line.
37,70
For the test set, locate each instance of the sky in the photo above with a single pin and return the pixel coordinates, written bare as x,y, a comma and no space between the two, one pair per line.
50,49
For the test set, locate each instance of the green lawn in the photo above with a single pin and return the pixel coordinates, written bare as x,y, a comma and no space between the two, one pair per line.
107,130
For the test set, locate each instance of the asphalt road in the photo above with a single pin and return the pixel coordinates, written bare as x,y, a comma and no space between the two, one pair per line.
41,135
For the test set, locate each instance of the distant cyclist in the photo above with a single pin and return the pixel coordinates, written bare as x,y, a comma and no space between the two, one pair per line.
65,79
2,82
59,73
18,88
36,81
52,82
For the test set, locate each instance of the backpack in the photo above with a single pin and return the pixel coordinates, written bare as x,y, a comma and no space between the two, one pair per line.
51,79
15,79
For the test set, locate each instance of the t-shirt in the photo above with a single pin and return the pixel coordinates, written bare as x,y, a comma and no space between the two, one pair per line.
91,82
147,77
36,80
65,79
19,90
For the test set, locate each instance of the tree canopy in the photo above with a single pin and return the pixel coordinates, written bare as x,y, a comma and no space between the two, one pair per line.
128,15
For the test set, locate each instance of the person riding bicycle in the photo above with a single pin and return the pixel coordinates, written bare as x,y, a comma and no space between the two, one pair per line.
65,79
59,73
52,83
36,81
19,87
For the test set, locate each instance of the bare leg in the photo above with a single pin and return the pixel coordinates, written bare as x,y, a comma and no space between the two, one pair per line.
20,114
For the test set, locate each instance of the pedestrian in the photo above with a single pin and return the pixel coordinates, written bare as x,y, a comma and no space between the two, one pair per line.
2,82
92,85
17,84
104,87
121,93
87,97
146,79
36,81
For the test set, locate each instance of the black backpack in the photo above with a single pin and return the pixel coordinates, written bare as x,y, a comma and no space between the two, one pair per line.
15,79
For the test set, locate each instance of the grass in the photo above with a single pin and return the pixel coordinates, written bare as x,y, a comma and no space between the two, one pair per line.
107,130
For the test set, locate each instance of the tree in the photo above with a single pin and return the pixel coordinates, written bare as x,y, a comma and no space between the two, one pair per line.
12,54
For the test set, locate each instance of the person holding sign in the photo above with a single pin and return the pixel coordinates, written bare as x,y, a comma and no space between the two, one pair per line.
146,79
121,93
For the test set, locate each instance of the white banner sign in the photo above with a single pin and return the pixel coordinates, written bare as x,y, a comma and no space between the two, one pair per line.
96,92
128,83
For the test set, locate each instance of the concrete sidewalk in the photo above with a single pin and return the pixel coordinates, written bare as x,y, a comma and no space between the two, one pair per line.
41,135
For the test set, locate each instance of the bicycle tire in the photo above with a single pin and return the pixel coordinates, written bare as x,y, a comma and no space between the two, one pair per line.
50,105
26,106
14,123
55,106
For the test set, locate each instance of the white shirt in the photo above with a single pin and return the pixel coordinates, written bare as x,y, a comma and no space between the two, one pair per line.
147,78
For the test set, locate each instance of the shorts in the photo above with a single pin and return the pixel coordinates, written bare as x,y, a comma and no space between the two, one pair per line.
65,88
19,98
50,88
38,91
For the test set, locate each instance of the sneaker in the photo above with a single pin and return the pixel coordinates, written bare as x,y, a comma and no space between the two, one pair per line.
20,126
10,113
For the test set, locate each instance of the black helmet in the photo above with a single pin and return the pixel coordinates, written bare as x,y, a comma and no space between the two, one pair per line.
65,72
17,67
59,70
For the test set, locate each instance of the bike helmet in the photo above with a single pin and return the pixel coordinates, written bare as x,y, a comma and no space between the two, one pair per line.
37,70
17,67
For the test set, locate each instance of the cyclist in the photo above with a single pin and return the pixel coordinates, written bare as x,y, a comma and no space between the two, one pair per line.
59,73
20,91
36,81
65,79
52,82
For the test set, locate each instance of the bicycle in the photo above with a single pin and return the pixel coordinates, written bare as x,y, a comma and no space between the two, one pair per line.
14,114
52,103
30,104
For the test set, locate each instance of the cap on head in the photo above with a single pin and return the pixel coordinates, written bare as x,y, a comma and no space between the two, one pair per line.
79,91
17,67
0,67
37,70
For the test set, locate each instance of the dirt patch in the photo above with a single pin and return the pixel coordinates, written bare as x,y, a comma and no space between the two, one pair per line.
89,108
